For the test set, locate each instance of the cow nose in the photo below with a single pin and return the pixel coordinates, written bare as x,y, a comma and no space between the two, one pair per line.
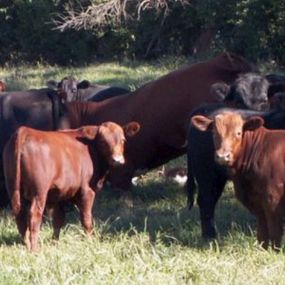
118,159
223,158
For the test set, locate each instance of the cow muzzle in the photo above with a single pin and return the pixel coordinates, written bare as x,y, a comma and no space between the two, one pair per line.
224,158
264,106
118,159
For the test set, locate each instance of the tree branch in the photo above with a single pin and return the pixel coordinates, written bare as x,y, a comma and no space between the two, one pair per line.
111,11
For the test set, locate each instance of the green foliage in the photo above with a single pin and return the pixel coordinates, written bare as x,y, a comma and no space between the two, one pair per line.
253,28
27,35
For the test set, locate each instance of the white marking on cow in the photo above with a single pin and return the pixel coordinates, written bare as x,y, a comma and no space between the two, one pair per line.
119,158
181,180
135,180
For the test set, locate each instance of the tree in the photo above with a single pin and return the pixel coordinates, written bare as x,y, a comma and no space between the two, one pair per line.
98,14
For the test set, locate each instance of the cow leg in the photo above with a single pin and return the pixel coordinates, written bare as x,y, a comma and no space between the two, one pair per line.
58,219
190,186
210,191
275,229
4,201
22,223
262,231
84,202
35,219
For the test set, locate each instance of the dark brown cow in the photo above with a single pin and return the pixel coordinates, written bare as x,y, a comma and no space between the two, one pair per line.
162,108
255,157
3,86
47,168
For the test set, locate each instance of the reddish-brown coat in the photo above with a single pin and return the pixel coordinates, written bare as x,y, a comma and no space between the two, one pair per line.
256,159
162,108
47,168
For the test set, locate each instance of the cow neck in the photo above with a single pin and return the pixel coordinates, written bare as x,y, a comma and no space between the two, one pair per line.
100,163
78,113
89,113
78,96
250,150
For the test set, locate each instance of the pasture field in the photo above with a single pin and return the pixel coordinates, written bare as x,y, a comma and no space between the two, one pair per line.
157,241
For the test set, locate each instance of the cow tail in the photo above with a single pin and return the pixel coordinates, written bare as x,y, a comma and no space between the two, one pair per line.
190,186
12,170
191,190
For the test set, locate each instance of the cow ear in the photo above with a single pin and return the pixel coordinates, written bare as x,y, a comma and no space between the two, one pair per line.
202,123
253,123
52,84
220,90
131,129
83,84
89,132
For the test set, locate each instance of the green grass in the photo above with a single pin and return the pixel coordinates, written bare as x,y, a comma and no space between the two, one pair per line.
157,241
125,74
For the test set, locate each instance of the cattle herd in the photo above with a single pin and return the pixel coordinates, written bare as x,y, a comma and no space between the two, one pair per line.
61,143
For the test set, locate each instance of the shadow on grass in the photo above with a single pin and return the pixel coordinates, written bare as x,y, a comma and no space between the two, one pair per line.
159,209
8,235
10,239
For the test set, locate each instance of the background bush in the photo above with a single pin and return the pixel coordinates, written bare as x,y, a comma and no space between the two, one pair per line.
253,28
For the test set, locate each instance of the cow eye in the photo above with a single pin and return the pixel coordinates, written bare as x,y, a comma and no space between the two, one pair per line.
238,133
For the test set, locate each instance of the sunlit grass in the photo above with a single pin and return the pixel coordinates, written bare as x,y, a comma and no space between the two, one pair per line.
125,74
156,242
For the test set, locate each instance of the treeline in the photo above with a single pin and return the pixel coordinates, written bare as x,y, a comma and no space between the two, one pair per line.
253,28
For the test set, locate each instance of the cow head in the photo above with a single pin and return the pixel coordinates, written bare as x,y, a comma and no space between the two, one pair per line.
110,139
228,129
68,87
249,90
3,86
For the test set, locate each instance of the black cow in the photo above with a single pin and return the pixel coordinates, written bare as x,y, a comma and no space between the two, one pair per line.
38,108
249,91
72,90
202,167
245,89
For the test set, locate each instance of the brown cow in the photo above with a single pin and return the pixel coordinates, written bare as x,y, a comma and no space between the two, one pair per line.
162,108
255,157
3,86
47,168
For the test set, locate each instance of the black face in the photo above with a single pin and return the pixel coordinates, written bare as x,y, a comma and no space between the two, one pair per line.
250,91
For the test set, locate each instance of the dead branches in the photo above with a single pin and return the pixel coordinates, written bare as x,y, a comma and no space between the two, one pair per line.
98,15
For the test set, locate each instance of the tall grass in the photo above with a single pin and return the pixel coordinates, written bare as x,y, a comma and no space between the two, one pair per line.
157,241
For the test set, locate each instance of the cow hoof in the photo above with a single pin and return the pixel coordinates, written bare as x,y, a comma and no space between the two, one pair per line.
210,234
